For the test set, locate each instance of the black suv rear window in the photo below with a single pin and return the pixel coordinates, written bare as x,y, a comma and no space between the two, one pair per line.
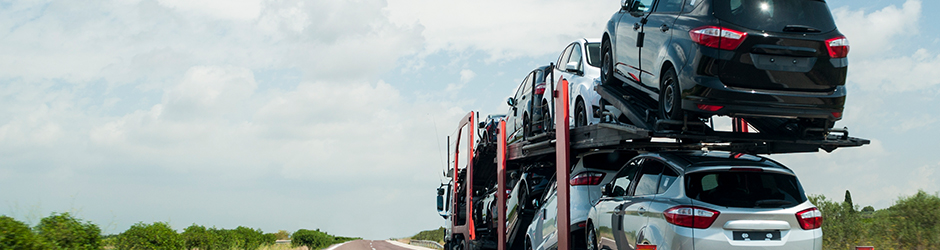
776,15
745,189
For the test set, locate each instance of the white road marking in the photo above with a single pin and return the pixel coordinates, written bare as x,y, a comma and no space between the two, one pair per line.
337,245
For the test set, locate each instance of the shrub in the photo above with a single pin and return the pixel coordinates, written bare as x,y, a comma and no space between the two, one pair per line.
196,236
223,239
154,236
311,239
65,231
431,235
17,235
282,235
249,239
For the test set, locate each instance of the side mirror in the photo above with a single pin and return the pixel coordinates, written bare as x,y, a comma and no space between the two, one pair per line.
624,4
535,203
511,102
440,199
607,188
572,67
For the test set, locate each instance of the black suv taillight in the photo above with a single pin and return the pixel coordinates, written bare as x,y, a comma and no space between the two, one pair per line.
718,37
838,47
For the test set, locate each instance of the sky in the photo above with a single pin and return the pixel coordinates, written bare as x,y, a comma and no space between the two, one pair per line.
332,115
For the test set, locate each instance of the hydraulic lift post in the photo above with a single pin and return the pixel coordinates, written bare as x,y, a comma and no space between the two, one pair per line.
562,166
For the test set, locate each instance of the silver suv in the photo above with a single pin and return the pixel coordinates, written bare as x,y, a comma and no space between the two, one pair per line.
704,200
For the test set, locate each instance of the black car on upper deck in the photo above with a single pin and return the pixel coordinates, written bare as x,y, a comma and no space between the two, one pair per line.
780,64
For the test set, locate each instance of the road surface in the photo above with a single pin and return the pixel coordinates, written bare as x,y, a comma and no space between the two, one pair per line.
375,245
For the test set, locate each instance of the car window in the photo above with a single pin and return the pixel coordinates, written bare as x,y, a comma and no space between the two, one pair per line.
563,58
605,161
621,183
576,56
666,180
641,6
690,5
745,189
648,180
520,90
594,54
775,15
669,6
527,83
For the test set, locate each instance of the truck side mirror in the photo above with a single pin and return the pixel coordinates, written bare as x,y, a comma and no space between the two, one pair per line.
511,102
440,199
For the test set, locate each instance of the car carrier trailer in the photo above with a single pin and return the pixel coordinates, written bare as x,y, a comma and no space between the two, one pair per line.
487,163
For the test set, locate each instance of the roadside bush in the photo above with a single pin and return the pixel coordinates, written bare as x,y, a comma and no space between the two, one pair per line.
431,235
249,239
282,235
196,236
17,235
156,236
223,239
269,239
311,239
65,231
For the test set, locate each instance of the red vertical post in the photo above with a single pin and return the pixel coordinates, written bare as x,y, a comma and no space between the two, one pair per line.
471,128
501,187
562,166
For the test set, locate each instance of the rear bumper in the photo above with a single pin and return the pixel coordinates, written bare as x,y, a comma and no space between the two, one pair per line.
742,102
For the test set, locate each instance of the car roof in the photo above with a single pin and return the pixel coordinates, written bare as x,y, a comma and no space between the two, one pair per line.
592,40
689,160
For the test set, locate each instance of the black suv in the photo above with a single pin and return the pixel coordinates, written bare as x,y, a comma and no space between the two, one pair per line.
779,64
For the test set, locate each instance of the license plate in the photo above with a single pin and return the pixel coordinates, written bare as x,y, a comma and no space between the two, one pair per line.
756,235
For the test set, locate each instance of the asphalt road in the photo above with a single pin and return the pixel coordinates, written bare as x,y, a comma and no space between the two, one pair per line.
375,245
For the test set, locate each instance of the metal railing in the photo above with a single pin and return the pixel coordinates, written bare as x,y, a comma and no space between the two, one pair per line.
426,243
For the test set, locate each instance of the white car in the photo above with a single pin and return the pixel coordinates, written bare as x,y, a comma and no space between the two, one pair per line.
579,67
591,172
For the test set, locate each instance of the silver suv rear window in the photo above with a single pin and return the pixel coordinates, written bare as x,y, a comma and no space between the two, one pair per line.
745,189
776,15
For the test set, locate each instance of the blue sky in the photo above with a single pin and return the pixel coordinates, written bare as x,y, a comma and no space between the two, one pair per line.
284,114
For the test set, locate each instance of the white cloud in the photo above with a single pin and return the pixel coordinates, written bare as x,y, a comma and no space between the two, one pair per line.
916,72
222,9
466,75
503,29
871,34
924,121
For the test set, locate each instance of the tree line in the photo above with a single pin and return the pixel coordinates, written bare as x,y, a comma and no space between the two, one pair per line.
913,222
64,231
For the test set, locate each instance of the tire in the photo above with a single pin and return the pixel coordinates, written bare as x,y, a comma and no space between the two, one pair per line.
591,238
607,65
670,96
580,114
523,198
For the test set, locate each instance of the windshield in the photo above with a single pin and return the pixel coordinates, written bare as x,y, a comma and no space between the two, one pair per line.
776,15
594,54
745,189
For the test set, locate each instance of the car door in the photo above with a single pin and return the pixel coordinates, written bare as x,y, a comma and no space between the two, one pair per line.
628,30
657,36
658,228
518,107
636,211
549,213
609,215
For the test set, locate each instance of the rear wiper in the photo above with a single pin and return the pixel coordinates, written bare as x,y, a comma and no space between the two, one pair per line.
800,28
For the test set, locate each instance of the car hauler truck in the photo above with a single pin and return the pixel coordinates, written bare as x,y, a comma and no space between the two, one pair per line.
482,173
